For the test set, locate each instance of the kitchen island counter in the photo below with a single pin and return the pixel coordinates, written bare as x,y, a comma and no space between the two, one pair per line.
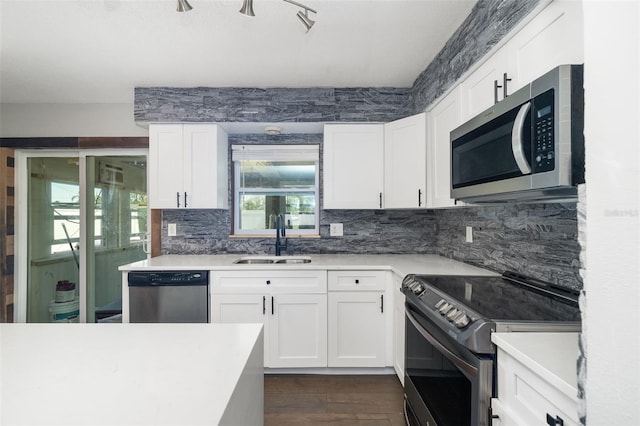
125,374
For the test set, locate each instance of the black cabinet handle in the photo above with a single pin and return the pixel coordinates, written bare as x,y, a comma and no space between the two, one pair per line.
264,305
185,199
381,200
272,310
382,303
496,86
177,199
557,421
268,282
419,197
357,281
505,80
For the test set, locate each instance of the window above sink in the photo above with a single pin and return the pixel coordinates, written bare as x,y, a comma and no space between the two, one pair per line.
270,180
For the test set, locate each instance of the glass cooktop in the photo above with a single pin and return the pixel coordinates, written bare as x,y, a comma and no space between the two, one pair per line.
504,299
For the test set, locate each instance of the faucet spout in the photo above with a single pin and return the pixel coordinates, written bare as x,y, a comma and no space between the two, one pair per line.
280,234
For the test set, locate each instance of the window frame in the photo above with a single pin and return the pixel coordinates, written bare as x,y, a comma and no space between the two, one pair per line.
288,154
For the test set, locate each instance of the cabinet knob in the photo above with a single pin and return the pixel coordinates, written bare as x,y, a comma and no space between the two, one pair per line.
357,281
268,282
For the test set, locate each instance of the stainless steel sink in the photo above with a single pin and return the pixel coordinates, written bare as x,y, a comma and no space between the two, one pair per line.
294,260
247,261
272,260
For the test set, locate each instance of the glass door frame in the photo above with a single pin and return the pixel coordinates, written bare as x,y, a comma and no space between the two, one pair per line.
21,223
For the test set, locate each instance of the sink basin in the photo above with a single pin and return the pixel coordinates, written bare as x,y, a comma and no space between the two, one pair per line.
272,260
248,261
293,260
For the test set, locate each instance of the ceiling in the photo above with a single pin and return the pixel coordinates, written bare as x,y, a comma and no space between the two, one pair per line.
69,51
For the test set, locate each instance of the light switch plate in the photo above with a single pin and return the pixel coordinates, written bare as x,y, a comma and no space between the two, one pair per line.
469,234
171,230
335,229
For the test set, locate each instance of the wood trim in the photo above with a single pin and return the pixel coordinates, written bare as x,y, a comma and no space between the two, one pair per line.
156,232
113,142
17,143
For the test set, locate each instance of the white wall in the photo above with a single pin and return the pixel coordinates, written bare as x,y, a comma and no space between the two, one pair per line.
612,284
55,120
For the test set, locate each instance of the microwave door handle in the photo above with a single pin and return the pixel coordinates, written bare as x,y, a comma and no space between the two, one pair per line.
516,139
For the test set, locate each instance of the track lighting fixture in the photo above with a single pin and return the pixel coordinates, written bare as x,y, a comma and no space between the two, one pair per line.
304,16
183,6
247,8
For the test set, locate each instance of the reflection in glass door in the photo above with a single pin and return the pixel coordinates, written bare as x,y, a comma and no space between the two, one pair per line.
87,216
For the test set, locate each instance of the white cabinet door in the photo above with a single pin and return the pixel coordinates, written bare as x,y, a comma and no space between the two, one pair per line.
206,173
353,166
166,165
398,325
240,309
554,37
479,91
188,166
405,163
357,329
297,330
443,118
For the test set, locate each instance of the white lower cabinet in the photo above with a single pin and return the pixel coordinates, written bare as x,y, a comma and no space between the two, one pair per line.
295,319
358,312
536,379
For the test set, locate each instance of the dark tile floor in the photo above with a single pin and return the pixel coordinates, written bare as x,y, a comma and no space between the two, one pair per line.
332,400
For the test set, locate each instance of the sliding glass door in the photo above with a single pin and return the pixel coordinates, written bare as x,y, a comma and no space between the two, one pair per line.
86,215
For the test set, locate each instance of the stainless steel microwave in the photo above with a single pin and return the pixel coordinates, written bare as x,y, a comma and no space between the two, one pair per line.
528,147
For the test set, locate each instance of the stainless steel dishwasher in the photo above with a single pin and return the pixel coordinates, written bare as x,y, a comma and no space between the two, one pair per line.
169,296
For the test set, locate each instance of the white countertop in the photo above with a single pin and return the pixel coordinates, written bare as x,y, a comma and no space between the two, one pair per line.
401,264
550,355
117,374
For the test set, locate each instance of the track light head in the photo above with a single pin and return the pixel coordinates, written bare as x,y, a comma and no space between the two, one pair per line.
247,8
183,6
306,21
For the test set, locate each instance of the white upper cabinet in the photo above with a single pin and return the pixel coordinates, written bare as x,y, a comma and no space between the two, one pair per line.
375,166
485,86
353,166
443,118
405,161
553,37
188,166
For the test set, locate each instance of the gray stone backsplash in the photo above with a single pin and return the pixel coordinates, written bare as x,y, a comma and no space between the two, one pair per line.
235,104
539,240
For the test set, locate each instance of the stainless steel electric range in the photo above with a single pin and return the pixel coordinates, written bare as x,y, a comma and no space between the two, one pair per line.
449,357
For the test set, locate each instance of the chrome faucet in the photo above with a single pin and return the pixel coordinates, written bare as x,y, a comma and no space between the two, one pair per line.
281,240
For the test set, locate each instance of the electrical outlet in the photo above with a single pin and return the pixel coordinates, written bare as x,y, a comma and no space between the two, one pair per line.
171,230
469,234
335,230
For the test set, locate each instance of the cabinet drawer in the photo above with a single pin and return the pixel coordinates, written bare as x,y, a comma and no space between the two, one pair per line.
268,281
529,396
357,280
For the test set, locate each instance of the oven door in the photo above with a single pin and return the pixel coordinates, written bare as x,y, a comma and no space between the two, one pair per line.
445,384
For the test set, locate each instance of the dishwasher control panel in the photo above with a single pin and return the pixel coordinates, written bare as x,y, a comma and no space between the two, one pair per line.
150,278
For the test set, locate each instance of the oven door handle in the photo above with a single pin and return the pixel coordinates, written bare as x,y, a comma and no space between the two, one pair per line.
455,359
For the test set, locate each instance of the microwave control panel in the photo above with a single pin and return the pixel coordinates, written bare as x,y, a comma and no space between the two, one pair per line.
543,133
